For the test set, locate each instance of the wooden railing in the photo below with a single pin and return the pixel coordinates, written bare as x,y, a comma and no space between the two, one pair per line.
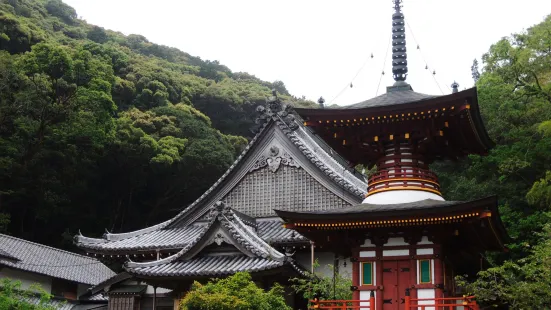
446,303
406,172
368,304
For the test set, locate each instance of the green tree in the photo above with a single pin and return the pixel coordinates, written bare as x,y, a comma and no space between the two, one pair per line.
520,284
13,297
323,287
237,292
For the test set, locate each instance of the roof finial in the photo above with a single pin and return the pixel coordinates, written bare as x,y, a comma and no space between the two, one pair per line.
455,87
399,55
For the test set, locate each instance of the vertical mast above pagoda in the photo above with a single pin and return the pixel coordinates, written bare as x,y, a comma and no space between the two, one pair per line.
402,132
399,52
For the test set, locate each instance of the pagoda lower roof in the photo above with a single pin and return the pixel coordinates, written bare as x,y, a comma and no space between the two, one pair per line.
372,211
209,266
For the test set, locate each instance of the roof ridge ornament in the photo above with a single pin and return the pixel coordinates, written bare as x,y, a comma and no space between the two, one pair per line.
399,55
276,110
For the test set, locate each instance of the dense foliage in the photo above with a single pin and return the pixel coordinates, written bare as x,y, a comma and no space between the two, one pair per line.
237,292
514,91
101,130
98,129
12,297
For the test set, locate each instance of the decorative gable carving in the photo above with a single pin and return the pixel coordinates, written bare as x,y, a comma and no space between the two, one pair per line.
274,160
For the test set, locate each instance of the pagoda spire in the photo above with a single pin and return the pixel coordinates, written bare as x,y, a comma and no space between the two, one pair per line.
399,55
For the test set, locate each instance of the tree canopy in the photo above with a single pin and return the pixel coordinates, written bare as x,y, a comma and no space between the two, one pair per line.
236,292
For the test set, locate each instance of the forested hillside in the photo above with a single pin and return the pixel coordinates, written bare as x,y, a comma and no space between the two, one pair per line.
98,129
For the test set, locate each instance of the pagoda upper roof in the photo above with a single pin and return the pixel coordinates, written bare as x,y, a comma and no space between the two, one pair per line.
395,95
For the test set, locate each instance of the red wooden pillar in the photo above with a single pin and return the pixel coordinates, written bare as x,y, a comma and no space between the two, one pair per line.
379,281
413,268
356,279
438,277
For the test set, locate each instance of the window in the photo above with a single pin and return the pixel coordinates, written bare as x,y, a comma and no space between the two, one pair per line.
367,273
424,271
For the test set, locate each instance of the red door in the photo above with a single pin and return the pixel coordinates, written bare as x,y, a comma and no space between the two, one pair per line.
396,277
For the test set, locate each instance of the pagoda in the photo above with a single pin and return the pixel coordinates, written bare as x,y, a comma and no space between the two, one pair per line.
405,239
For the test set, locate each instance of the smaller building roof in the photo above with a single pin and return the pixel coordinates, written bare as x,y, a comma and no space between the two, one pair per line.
45,260
250,252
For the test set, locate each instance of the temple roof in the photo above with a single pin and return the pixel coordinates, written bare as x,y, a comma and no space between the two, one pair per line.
250,252
270,230
209,266
303,157
38,258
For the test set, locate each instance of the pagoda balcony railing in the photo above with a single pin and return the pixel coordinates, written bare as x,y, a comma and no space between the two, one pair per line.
403,177
403,173
358,304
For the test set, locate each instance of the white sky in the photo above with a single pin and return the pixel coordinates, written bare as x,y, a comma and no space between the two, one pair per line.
316,47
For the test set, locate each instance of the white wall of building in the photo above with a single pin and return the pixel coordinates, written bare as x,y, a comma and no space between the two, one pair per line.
400,196
27,278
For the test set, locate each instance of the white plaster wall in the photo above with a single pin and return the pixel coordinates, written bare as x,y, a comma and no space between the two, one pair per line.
396,241
403,252
324,259
400,196
27,278
368,253
364,295
425,251
367,243
426,293
425,240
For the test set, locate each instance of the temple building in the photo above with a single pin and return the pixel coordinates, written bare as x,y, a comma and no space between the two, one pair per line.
395,235
233,226
404,239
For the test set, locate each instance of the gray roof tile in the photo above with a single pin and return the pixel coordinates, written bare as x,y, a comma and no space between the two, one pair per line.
38,258
273,232
210,266
393,96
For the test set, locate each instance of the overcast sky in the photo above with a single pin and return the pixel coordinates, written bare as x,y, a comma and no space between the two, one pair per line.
316,47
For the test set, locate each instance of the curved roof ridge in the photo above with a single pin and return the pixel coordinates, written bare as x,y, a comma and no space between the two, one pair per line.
169,259
329,165
252,238
80,239
236,229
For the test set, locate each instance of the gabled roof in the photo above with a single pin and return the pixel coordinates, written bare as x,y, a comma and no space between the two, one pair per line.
251,252
270,230
176,232
38,258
